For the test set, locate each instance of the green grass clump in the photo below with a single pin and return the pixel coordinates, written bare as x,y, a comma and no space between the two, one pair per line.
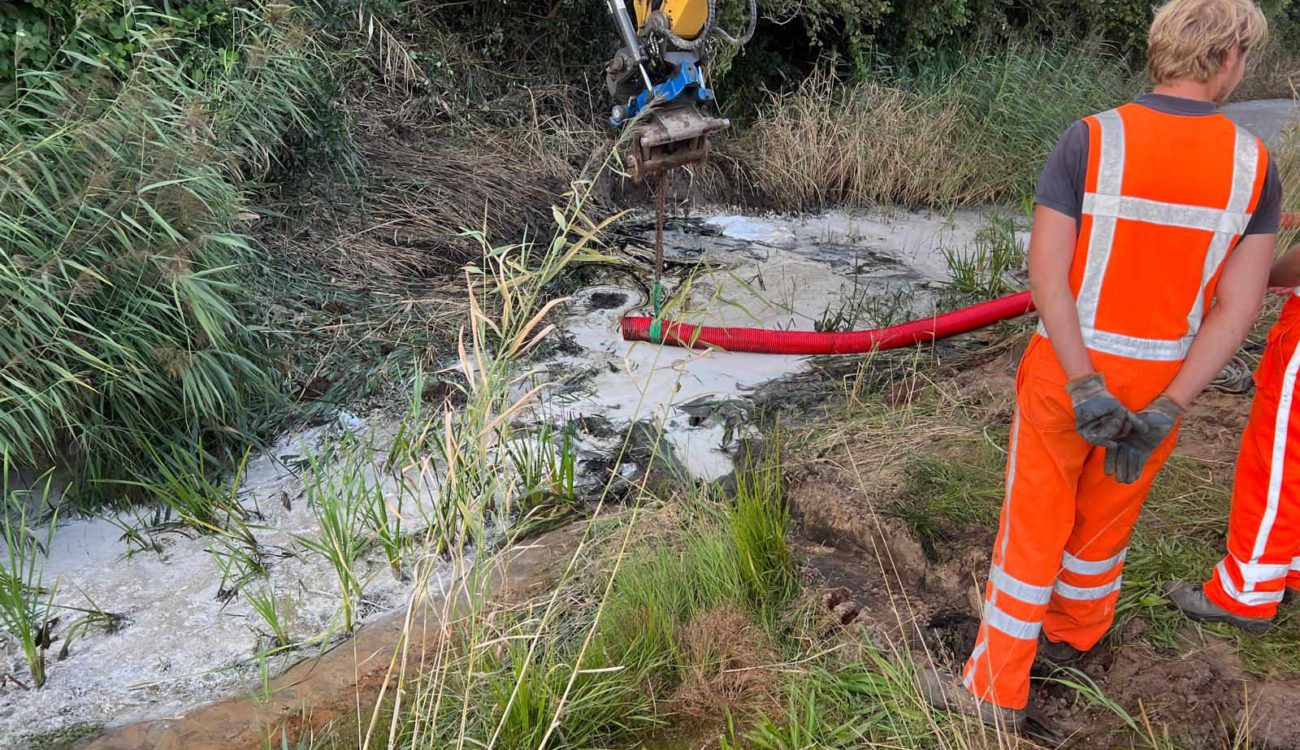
528,693
27,609
607,671
985,270
123,278
759,518
940,497
860,697
338,500
660,589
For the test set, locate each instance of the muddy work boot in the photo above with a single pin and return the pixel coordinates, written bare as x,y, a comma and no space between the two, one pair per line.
946,693
1059,654
1193,602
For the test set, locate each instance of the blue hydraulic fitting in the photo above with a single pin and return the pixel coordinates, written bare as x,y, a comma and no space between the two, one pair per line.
688,75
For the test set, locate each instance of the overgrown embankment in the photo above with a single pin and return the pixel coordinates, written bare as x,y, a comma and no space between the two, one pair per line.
154,341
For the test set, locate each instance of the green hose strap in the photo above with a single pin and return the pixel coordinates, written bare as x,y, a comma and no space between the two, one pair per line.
657,325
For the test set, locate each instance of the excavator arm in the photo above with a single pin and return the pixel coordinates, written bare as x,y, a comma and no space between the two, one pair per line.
658,78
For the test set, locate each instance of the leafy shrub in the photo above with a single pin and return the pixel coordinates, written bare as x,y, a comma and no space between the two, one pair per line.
864,35
79,37
122,280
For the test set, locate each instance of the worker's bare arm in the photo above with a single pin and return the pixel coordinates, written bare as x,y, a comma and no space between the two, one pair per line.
1051,251
1240,294
1286,272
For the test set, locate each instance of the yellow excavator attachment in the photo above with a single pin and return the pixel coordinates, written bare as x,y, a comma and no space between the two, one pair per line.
658,74
686,17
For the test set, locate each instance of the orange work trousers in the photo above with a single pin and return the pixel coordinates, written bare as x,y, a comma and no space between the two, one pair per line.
1065,525
1264,524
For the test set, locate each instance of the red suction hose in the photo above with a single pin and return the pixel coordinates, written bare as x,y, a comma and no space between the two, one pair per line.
804,342
855,342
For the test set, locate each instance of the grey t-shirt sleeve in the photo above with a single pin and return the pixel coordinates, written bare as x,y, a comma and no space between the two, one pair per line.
1268,212
1061,185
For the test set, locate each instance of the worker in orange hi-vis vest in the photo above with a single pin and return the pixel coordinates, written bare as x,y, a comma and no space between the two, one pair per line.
1149,258
1263,558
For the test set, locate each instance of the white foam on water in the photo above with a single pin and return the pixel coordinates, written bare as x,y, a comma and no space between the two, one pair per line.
754,229
181,646
784,274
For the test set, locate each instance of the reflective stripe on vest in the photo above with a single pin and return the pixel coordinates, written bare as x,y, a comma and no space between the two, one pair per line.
1107,206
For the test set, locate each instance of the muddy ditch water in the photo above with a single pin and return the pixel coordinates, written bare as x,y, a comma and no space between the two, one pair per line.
182,636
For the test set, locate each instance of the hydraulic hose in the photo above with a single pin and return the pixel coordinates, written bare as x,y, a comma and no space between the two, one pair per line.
762,341
749,28
659,26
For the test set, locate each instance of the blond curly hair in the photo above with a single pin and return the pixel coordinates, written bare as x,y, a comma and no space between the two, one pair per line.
1190,38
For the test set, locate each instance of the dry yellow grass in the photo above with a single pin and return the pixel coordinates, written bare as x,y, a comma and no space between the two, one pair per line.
832,143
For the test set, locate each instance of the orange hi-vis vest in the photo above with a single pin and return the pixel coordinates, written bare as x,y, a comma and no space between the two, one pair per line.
1167,198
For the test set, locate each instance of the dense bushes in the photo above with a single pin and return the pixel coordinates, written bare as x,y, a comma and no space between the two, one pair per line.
857,38
576,33
902,28
82,37
121,275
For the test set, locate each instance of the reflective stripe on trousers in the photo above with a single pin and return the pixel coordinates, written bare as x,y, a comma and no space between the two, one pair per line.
1264,523
1062,541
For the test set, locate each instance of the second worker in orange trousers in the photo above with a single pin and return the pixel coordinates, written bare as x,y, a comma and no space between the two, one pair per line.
1152,237
1263,558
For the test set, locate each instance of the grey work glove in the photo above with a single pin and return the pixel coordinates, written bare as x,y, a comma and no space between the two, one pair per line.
1126,460
1099,417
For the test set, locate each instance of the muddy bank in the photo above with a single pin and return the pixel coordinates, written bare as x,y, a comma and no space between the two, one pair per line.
879,576
875,577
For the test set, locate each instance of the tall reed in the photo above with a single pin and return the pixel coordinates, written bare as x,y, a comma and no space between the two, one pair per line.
122,268
968,128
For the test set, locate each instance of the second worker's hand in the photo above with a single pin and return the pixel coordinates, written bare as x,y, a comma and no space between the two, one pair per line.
1127,459
1099,417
